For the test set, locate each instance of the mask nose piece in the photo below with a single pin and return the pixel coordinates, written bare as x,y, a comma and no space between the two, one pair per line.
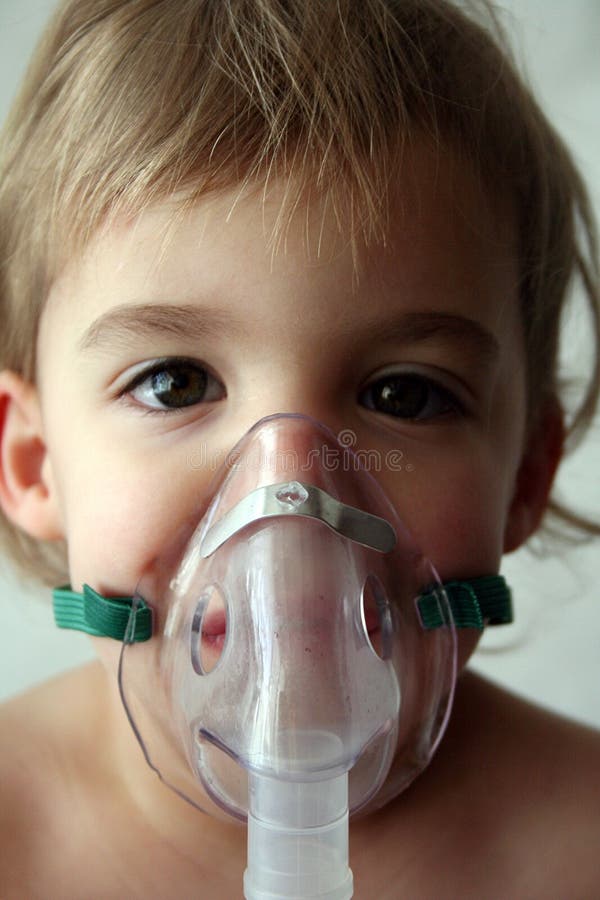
291,465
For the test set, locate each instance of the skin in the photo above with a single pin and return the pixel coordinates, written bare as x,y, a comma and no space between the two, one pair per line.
308,332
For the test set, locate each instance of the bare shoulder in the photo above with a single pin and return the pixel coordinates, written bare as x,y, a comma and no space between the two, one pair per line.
40,735
541,747
21,802
70,826
538,775
509,807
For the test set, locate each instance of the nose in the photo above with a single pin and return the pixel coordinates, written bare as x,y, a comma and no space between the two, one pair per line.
286,448
291,389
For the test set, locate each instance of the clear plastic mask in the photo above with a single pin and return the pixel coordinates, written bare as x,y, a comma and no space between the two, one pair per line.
289,680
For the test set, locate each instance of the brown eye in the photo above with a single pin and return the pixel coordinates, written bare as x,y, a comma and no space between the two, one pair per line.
178,385
409,396
174,384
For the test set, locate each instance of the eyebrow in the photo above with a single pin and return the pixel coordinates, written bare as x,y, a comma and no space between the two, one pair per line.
418,327
120,325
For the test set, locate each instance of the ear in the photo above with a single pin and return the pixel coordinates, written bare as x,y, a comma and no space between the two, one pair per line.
539,463
27,495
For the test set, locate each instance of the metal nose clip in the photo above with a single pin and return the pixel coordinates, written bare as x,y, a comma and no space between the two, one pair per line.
293,498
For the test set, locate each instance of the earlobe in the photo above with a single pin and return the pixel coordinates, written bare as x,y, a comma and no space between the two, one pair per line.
535,477
27,495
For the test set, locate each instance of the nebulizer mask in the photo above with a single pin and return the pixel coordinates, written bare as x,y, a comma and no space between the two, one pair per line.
302,657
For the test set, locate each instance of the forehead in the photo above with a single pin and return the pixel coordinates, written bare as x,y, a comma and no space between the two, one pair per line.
442,235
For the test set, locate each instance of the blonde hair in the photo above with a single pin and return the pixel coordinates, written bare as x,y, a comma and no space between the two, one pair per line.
127,101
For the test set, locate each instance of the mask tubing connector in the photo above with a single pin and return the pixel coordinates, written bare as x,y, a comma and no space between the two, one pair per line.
298,840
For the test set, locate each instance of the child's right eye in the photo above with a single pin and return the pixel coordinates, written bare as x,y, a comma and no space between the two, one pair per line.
171,384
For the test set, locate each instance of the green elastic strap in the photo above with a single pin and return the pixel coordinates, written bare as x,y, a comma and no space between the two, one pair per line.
474,603
101,616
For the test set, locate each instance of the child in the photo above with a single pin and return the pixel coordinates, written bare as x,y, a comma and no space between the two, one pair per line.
212,212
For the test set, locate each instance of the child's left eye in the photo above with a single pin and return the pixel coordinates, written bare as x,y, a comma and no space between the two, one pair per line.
171,384
408,395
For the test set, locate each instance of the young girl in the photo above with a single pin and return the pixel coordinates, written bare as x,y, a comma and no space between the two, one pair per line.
213,213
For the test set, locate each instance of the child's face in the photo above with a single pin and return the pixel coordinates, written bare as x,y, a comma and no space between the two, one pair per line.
264,332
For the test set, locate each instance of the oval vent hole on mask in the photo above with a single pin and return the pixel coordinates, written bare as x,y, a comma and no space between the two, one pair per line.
377,617
209,630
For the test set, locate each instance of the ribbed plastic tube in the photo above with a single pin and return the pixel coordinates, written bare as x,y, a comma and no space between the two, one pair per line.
298,840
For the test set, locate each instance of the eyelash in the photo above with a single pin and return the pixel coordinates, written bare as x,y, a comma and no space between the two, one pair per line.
429,393
176,365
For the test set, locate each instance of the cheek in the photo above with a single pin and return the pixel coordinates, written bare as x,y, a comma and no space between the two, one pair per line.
465,537
124,514
455,507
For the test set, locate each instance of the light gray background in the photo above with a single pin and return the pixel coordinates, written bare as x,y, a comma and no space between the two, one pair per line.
552,653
